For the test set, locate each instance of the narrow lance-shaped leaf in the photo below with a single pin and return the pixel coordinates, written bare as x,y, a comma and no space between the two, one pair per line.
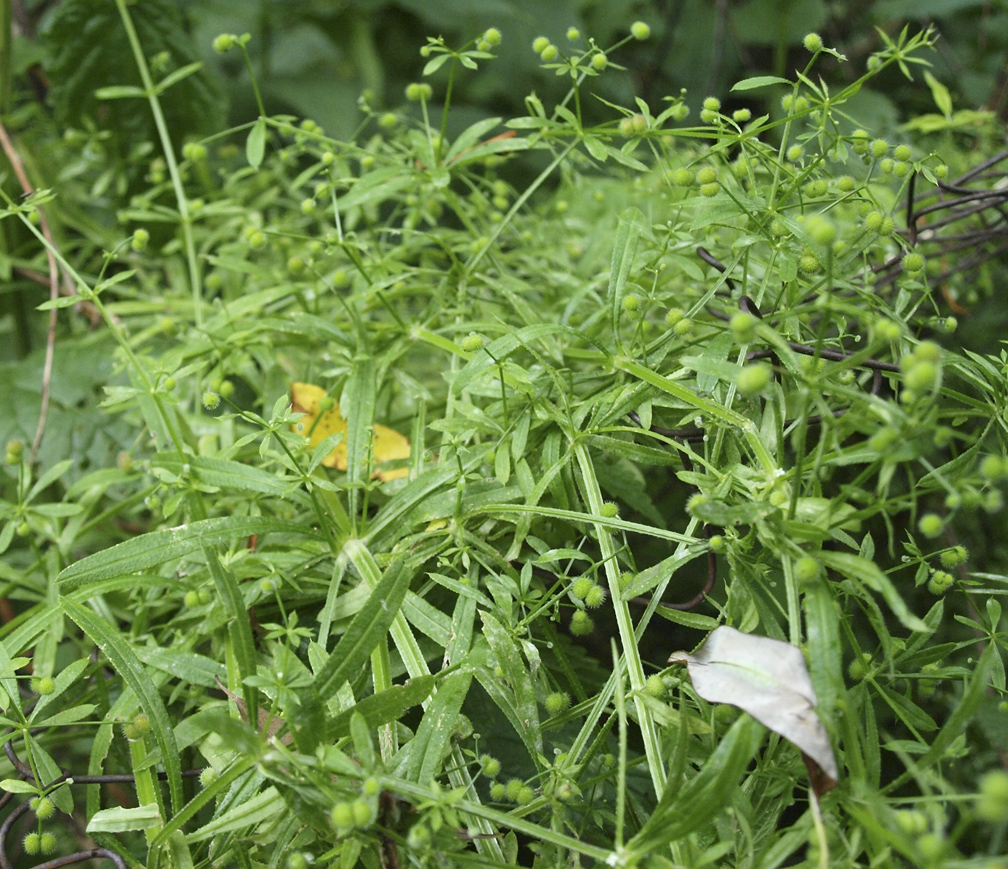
768,679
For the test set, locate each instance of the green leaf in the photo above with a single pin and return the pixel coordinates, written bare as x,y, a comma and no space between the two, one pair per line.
621,264
123,820
367,629
383,707
469,137
156,547
255,145
230,475
262,807
119,92
759,81
116,649
686,810
16,786
427,748
517,679
177,76
862,571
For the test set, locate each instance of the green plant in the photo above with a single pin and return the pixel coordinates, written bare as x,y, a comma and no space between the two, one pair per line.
682,362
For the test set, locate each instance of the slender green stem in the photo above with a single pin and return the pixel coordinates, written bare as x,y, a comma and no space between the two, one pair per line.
628,642
195,280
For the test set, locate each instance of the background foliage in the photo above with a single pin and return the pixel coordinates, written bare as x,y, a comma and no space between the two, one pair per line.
468,664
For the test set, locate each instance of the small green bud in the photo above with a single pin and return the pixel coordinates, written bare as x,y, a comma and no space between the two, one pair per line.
472,342
902,152
640,30
712,104
539,44
706,175
490,766
940,582
683,177
513,788
497,793
573,34
581,624
921,376
207,777
525,796
821,229
211,400
550,53
741,116
342,816
43,685
610,510
813,42
683,327
655,686
710,190
992,800
887,165
717,543
879,148
954,557
31,844
860,142
581,586
326,403
224,42
911,823
557,702
631,302
873,221
806,569
362,815
139,240
845,184
941,171
595,597
753,378
43,807
794,153
599,61
492,36
743,326
913,263
930,525
809,263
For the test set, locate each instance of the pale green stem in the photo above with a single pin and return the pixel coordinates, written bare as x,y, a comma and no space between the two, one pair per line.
628,641
169,154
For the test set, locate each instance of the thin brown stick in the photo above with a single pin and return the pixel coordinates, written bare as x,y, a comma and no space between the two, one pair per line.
26,187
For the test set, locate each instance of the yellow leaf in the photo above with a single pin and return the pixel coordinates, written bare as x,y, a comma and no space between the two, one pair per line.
387,444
